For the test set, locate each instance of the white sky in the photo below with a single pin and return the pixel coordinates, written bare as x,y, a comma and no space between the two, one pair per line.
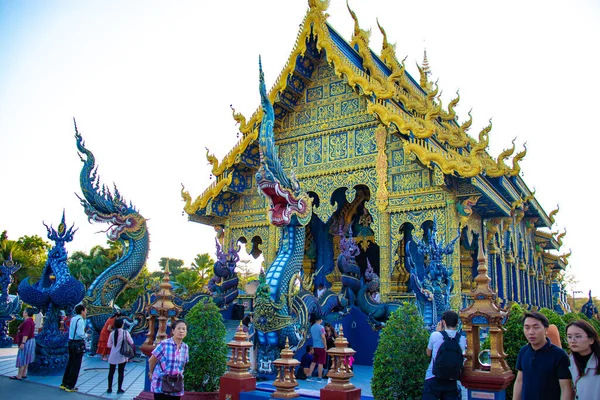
150,83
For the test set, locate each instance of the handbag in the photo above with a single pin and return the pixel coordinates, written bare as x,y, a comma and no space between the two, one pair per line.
126,348
78,345
172,383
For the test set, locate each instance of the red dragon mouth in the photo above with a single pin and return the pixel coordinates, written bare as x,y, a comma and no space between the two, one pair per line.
283,203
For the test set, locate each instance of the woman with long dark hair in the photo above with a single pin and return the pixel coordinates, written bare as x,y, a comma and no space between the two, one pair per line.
115,357
103,348
585,359
330,337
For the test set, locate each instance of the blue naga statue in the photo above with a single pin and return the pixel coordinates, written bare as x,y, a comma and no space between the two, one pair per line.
377,312
282,304
224,285
8,307
589,309
361,292
55,291
350,271
433,291
127,226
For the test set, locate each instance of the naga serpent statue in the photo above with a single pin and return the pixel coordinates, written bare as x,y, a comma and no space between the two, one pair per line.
350,271
55,291
282,306
377,312
127,226
433,292
224,285
8,307
589,309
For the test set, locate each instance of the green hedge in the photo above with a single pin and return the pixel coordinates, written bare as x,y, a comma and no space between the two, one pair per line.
208,350
400,362
556,319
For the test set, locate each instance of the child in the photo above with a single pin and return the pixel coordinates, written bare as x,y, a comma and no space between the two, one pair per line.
305,362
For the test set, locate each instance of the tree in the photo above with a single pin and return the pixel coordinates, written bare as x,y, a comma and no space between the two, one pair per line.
30,252
556,319
175,265
399,363
136,288
86,267
245,273
208,350
203,264
188,282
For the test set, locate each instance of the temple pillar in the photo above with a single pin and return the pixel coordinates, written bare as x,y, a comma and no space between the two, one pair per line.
385,263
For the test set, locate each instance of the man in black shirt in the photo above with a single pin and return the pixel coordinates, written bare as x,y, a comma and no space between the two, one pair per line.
543,367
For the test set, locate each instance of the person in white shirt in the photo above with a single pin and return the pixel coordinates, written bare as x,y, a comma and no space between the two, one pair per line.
435,388
320,290
76,349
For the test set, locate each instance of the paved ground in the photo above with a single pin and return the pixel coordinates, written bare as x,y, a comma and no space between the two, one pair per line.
92,380
16,390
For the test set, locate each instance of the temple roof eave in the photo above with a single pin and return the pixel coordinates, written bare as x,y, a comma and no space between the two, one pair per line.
534,204
349,64
489,191
546,240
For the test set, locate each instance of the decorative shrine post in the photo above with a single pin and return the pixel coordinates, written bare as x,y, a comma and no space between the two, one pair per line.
340,373
285,383
159,312
482,381
237,379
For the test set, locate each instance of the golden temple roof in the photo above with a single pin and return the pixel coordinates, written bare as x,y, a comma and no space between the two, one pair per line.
413,110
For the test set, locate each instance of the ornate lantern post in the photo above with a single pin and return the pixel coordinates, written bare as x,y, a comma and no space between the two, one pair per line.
485,382
158,313
237,379
340,372
285,383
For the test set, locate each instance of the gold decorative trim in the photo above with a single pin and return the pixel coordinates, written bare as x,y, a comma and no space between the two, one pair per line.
201,202
382,168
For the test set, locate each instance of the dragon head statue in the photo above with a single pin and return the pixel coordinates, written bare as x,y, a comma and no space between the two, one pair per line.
100,205
289,204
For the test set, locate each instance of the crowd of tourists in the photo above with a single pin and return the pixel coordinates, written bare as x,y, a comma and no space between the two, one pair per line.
544,370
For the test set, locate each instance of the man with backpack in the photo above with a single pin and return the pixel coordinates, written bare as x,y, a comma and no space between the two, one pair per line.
446,347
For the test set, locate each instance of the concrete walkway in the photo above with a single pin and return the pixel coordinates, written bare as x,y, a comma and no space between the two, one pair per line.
92,380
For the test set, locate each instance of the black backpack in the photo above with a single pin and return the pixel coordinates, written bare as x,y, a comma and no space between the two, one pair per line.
448,362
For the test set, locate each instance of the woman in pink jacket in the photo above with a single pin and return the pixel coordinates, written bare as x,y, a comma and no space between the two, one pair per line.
116,358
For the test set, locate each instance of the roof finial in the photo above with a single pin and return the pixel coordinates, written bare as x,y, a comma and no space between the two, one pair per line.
426,68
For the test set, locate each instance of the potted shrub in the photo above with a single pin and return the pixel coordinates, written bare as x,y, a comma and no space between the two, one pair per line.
400,362
208,351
